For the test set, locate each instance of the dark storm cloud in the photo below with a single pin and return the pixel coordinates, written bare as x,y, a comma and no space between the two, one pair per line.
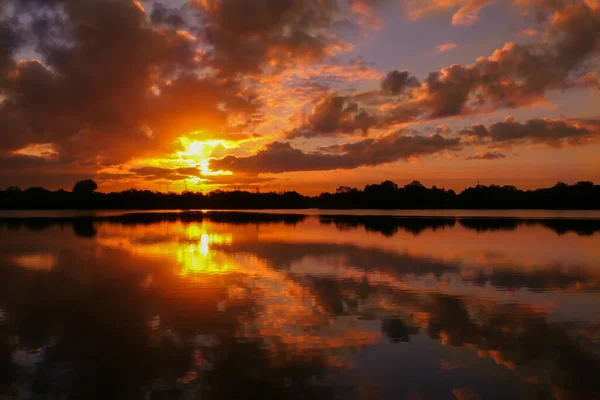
280,157
334,115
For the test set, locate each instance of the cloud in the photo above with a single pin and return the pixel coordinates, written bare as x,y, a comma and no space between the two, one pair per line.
164,15
126,81
494,155
10,41
173,174
529,32
552,132
446,46
185,173
334,115
250,36
237,180
513,76
467,13
589,80
364,10
397,82
120,87
278,157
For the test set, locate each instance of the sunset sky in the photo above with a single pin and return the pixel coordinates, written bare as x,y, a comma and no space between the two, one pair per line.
300,95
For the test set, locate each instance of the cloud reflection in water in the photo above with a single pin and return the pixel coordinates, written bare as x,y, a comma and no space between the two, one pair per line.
302,310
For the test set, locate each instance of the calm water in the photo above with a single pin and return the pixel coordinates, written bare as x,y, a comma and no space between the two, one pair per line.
221,305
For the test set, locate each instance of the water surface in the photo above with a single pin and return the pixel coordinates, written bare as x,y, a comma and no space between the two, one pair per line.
229,305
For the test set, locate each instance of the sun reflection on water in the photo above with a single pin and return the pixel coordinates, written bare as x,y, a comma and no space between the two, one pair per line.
189,245
197,258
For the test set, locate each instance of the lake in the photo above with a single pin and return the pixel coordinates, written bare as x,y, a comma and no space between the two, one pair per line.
162,305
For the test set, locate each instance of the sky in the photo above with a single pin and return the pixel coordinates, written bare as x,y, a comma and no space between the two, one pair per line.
303,95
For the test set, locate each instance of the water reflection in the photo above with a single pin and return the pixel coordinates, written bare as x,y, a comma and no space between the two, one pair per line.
209,305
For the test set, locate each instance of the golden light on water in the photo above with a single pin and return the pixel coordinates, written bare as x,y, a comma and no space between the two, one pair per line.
189,245
197,258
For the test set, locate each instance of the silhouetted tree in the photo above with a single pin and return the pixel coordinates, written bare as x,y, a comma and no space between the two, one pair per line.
86,186
343,189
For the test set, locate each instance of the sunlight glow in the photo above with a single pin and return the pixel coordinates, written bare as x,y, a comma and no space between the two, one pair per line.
197,153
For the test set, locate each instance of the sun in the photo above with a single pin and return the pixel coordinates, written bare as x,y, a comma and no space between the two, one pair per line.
196,154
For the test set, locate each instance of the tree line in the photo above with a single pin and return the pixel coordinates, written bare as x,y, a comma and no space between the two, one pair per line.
386,195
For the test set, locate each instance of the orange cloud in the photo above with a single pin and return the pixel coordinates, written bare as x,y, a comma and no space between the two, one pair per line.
467,13
446,46
367,18
529,32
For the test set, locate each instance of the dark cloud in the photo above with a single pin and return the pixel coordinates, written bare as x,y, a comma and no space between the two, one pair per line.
9,162
494,155
395,146
247,36
280,157
396,82
478,130
334,115
554,132
26,171
164,15
9,42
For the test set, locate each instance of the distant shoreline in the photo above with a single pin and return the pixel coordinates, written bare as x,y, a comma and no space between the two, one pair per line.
384,196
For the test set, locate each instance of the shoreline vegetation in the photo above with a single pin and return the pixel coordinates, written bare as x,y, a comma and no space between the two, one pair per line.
386,196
